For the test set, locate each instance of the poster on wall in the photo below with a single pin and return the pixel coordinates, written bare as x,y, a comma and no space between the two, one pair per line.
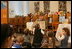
29,25
3,4
42,24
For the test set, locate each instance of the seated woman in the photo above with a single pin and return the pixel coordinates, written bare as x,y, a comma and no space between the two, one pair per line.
63,37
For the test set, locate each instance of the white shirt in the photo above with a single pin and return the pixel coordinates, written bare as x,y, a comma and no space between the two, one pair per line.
42,31
60,38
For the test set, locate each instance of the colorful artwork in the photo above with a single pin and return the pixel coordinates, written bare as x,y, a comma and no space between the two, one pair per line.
30,25
36,4
42,24
62,5
46,6
3,4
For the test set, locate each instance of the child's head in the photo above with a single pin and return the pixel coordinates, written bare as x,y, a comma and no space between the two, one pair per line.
20,39
26,31
37,26
50,34
66,31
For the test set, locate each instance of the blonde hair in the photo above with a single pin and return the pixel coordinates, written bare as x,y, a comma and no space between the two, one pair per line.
26,31
20,38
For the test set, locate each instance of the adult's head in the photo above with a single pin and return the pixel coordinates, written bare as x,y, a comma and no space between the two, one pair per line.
66,31
37,26
5,32
50,34
26,31
20,39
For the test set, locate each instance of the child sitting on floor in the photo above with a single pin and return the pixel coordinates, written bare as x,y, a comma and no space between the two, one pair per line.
19,41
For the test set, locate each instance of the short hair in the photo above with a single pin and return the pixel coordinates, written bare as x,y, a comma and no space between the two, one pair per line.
37,26
26,31
19,38
50,34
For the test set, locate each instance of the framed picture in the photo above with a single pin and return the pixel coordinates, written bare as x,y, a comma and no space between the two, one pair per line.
3,4
62,6
46,6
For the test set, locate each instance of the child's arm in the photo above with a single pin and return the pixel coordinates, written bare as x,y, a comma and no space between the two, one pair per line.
60,37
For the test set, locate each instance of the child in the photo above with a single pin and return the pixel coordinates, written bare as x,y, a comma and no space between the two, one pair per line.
48,40
19,41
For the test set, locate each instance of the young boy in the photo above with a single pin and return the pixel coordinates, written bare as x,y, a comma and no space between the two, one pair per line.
19,41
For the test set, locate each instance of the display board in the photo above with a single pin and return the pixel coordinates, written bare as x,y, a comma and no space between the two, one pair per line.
30,25
42,24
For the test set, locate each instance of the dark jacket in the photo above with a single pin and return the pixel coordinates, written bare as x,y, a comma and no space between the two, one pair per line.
64,42
38,36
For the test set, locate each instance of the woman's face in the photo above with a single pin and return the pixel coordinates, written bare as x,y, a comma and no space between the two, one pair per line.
63,32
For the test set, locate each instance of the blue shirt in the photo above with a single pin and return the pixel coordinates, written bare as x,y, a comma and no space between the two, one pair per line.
16,46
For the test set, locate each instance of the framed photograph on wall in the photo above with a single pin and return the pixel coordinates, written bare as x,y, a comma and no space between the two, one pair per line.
62,6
